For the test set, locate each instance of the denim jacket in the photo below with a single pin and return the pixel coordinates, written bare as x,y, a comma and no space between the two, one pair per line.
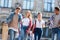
9,19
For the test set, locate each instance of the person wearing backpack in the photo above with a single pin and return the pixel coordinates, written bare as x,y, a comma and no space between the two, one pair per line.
55,23
12,22
26,24
38,25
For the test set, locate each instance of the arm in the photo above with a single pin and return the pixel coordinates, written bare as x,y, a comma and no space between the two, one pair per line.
20,17
51,21
33,26
8,20
30,25
43,25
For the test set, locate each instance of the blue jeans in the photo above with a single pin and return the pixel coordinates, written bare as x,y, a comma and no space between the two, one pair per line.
37,33
46,32
22,33
12,34
56,31
25,34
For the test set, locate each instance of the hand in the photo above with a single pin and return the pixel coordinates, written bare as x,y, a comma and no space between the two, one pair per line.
27,31
50,28
59,22
31,32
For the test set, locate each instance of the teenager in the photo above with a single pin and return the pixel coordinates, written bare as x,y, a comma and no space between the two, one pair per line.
38,25
13,21
55,23
26,23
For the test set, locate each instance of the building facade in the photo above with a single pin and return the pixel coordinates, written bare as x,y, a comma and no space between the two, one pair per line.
44,6
35,6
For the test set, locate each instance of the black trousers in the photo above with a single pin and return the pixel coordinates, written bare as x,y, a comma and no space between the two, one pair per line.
37,33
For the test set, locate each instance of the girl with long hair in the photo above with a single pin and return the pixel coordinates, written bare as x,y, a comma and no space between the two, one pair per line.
26,24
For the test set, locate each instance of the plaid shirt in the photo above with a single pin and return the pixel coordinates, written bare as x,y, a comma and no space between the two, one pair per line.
53,21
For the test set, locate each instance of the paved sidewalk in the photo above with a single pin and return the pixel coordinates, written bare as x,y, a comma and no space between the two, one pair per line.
41,38
0,37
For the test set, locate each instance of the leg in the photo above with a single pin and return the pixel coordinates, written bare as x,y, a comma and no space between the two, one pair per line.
11,34
39,35
58,35
46,32
24,33
53,33
35,34
19,38
21,35
32,36
27,37
16,35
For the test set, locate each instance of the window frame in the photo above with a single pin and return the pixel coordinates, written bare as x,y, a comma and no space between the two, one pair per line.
28,7
4,4
51,8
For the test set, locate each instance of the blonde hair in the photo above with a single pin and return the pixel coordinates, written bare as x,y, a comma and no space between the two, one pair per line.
30,15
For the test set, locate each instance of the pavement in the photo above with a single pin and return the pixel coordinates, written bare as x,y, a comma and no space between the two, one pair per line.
0,37
41,38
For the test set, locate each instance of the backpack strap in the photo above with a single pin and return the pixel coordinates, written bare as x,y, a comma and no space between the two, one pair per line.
34,26
30,25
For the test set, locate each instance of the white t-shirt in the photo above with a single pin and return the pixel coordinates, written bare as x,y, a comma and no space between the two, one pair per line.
39,23
25,21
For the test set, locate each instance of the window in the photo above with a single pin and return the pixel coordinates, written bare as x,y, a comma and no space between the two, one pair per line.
5,3
49,5
28,4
